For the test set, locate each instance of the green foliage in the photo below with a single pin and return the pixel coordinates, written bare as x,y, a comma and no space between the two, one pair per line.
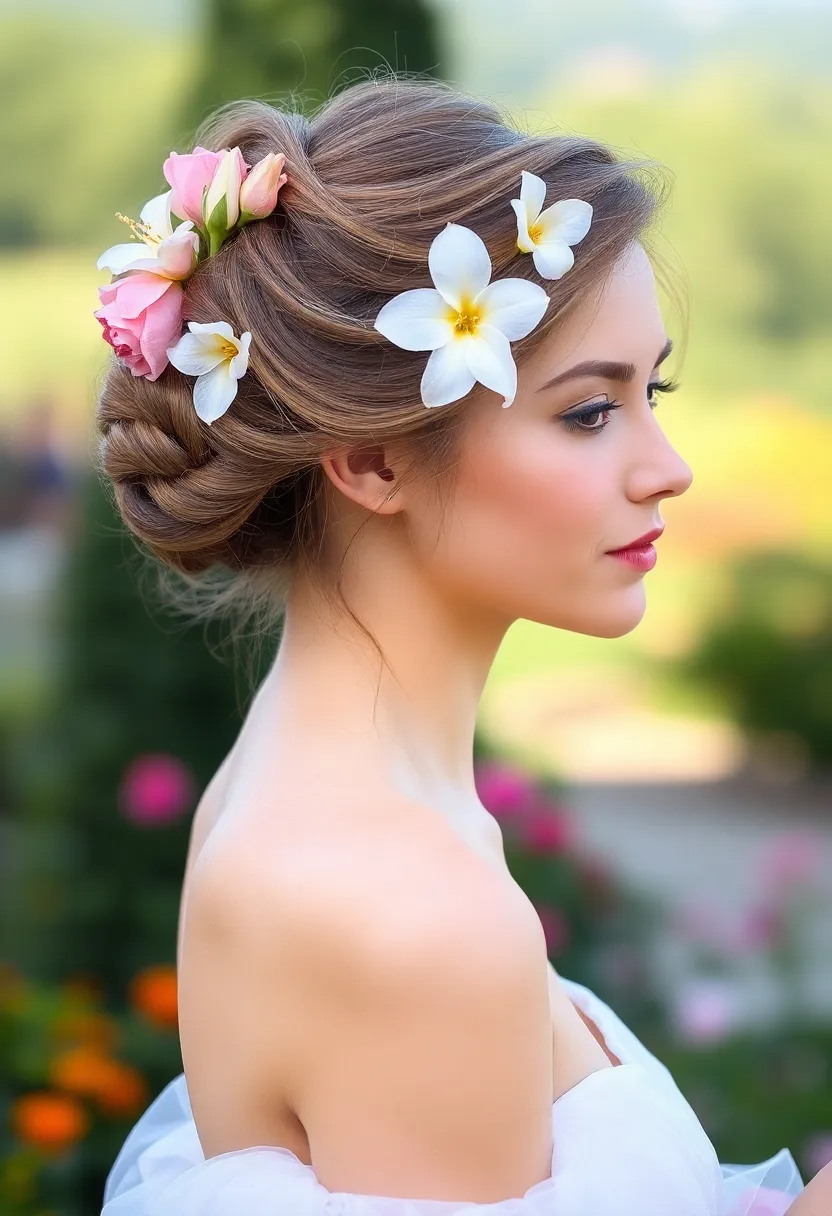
308,48
769,651
88,121
99,894
747,219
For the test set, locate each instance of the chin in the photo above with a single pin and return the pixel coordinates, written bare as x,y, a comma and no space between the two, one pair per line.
614,618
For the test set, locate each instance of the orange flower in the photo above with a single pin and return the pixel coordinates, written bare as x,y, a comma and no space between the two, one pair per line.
51,1122
153,994
118,1088
124,1091
81,1070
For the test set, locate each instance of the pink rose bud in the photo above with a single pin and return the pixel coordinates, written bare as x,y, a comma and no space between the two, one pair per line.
258,193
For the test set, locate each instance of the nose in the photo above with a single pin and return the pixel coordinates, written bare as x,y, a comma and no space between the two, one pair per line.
657,471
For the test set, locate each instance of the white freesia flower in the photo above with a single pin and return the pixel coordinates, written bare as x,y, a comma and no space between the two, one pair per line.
217,359
170,253
548,234
466,321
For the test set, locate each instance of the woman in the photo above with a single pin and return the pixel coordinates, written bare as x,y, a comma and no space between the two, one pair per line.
368,1020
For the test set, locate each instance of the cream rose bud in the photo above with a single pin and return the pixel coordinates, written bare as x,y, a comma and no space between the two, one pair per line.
225,186
258,193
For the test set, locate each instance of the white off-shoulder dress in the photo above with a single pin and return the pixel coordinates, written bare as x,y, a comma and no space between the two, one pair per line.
626,1143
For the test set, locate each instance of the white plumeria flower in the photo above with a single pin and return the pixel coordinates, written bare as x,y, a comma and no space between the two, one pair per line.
465,320
548,234
170,253
217,359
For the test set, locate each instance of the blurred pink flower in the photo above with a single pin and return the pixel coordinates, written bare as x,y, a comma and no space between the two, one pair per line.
504,791
790,859
702,926
763,928
555,928
705,1010
546,830
155,790
817,1152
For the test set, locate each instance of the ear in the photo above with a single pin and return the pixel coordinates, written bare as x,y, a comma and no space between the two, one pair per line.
362,475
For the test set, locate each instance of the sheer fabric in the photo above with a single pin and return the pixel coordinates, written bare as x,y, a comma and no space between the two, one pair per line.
626,1143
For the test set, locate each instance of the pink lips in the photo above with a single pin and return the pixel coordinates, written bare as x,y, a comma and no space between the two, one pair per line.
639,553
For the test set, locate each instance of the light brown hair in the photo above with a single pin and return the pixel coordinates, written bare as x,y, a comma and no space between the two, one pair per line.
374,175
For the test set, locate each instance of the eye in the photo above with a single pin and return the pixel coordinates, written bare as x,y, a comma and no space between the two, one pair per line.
582,422
579,422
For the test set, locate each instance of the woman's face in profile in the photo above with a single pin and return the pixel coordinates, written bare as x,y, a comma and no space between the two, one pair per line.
541,495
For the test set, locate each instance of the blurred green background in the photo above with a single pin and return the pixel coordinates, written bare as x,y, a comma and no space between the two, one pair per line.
682,775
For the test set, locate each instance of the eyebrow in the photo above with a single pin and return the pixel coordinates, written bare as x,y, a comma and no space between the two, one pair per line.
605,369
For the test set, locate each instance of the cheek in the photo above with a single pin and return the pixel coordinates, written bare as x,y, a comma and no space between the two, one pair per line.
534,489
531,508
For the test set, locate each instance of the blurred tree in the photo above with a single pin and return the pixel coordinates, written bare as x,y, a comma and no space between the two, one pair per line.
769,653
269,48
103,833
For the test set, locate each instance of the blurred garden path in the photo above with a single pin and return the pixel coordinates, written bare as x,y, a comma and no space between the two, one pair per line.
676,804
701,846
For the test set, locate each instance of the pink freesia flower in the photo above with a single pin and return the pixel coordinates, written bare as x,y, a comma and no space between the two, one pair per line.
258,193
142,317
555,928
545,830
189,174
155,790
503,791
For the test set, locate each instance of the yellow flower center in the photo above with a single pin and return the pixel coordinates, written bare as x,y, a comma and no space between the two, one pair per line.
466,319
228,349
141,230
536,233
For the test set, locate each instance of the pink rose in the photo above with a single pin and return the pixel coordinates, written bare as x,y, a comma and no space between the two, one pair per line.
142,318
189,175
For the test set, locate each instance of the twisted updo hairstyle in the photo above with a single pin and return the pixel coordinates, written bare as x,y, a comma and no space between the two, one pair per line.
373,177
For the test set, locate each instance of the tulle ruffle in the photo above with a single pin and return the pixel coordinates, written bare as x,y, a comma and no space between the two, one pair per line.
626,1143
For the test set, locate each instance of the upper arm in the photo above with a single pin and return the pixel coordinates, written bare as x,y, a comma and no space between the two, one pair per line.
425,1065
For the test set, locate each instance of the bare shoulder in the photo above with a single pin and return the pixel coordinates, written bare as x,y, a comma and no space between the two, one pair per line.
346,888
393,986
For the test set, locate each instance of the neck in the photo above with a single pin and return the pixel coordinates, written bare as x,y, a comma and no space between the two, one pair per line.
417,715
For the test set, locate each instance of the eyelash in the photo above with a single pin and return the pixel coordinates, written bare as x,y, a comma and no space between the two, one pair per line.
572,422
